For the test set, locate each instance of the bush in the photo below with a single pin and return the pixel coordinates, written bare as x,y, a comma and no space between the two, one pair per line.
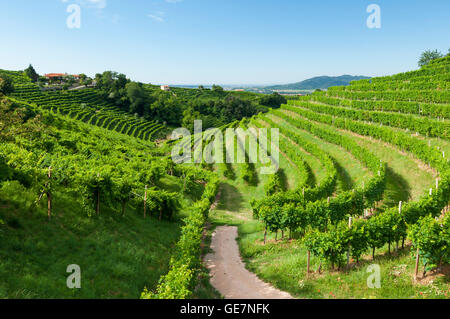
273,185
6,85
274,100
432,238
185,263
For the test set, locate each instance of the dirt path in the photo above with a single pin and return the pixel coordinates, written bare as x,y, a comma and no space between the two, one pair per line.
228,273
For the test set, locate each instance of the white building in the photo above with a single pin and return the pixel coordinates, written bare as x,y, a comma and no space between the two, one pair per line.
165,88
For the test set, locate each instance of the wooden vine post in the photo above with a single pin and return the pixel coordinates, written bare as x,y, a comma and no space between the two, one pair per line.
400,212
417,264
98,193
265,234
145,201
349,247
49,193
364,189
308,259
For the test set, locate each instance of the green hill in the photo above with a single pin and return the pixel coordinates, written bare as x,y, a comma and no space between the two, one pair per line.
136,109
320,82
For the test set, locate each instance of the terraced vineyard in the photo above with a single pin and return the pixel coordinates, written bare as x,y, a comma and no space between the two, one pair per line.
369,183
363,183
71,192
86,105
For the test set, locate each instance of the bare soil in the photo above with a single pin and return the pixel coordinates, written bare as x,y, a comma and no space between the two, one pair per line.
228,273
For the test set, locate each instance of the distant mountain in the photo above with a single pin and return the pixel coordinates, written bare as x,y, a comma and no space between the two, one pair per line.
319,82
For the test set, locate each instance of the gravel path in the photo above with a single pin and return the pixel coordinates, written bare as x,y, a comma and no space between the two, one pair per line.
228,273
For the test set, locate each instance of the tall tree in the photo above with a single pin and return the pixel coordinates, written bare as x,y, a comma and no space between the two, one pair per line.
429,56
31,73
83,78
137,98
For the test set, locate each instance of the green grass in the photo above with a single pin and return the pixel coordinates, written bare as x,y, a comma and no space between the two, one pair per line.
118,255
283,264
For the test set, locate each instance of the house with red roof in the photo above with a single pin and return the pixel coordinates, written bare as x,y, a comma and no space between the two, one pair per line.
60,76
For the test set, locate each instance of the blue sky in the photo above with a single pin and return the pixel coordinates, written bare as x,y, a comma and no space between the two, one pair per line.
221,41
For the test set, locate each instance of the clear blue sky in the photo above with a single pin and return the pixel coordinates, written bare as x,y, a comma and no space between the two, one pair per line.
221,41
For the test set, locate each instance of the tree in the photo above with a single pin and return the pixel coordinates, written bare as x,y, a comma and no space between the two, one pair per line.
189,116
42,80
120,81
18,120
31,73
137,97
235,108
429,56
273,100
112,85
6,85
70,80
217,88
82,78
166,109
5,171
